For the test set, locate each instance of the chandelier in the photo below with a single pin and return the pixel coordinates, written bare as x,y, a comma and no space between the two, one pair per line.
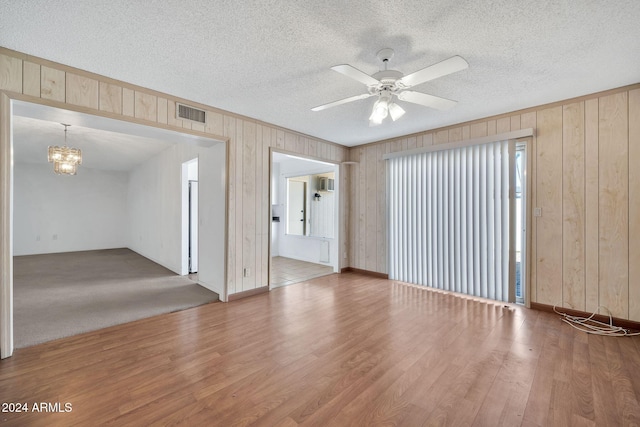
65,159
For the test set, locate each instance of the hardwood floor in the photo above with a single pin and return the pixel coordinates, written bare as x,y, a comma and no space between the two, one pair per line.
287,271
337,350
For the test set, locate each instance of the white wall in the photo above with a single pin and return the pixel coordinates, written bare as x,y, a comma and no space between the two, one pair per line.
155,210
276,210
212,218
304,248
192,171
56,213
322,221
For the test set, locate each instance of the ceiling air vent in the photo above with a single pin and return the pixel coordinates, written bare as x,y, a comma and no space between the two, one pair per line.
190,113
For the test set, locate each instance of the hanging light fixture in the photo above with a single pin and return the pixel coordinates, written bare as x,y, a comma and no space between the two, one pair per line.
395,111
380,108
384,107
65,159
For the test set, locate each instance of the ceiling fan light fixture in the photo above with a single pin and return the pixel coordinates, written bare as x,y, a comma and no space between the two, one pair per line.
395,111
381,107
380,111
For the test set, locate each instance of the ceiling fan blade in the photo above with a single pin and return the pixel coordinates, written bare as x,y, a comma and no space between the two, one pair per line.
426,100
342,101
448,66
355,74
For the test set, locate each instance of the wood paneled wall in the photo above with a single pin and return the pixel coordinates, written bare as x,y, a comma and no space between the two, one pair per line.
248,143
585,178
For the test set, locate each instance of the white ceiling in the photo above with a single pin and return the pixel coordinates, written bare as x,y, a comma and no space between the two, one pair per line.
281,158
106,144
270,59
101,150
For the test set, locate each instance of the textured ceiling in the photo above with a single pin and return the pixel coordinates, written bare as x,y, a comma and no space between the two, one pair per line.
270,59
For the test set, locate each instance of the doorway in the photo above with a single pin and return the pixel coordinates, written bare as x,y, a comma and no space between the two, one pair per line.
190,217
150,226
304,218
454,223
521,221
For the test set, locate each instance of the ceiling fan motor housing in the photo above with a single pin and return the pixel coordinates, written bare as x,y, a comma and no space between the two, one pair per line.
387,79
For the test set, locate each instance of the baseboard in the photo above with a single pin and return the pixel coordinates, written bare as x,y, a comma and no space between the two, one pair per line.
623,323
248,293
365,272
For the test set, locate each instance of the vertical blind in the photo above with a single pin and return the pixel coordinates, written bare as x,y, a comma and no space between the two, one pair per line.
449,219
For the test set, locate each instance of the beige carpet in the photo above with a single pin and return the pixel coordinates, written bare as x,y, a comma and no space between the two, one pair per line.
59,295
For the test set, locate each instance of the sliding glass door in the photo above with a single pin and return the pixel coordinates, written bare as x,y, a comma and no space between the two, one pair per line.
452,219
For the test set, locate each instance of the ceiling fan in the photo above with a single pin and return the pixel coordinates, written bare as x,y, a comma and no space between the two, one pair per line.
387,84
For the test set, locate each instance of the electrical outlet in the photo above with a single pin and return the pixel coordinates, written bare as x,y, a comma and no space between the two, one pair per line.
247,272
537,211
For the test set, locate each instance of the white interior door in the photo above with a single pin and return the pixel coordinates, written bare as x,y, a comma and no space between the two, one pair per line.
296,207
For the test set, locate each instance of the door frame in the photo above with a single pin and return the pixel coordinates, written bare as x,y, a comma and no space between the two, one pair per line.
528,145
6,198
186,220
339,181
